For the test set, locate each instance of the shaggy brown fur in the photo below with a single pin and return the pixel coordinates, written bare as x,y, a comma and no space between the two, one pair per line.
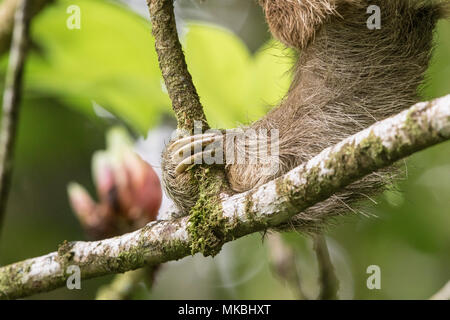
295,22
347,77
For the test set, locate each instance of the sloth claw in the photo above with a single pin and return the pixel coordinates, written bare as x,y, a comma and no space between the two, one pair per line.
186,163
186,140
191,150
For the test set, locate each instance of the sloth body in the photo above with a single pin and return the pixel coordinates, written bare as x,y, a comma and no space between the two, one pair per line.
346,78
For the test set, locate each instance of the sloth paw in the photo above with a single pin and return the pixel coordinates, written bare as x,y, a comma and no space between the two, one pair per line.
197,149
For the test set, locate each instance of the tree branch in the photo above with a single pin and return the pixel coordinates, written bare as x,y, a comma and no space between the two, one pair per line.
329,283
178,80
7,9
124,285
11,100
443,294
282,259
269,205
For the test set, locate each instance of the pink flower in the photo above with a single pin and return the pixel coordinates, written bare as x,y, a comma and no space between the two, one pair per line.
129,191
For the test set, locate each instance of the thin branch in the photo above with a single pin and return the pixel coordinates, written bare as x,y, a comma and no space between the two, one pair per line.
123,286
443,294
11,100
329,283
282,260
7,9
178,80
269,205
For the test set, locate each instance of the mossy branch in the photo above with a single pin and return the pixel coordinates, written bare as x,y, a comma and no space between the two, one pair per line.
178,80
269,205
189,113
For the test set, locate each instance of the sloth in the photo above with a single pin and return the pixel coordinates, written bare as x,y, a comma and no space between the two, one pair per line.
347,77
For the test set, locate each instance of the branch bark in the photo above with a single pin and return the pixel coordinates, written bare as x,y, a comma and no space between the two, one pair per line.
282,259
11,100
7,10
124,285
329,283
178,80
443,294
272,204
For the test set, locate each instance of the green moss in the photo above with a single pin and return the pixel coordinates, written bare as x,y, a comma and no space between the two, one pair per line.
13,280
65,254
249,205
129,259
208,229
9,280
373,147
412,125
260,224
313,185
284,186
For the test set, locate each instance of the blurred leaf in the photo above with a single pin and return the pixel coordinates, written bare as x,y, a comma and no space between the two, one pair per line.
111,60
438,82
233,85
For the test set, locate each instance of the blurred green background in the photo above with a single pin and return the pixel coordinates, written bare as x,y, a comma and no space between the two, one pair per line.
239,73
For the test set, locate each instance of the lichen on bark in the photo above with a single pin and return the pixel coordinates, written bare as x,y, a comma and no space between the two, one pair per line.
208,229
185,100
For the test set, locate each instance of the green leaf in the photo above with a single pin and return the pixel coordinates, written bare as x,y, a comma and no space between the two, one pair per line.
233,85
438,74
111,60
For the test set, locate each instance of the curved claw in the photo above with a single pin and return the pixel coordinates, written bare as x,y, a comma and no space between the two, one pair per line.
193,147
186,163
190,150
186,140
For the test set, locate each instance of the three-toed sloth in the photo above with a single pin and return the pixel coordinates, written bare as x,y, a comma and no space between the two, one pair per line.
347,77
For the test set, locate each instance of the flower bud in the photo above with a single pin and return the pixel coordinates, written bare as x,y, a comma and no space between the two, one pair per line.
128,189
